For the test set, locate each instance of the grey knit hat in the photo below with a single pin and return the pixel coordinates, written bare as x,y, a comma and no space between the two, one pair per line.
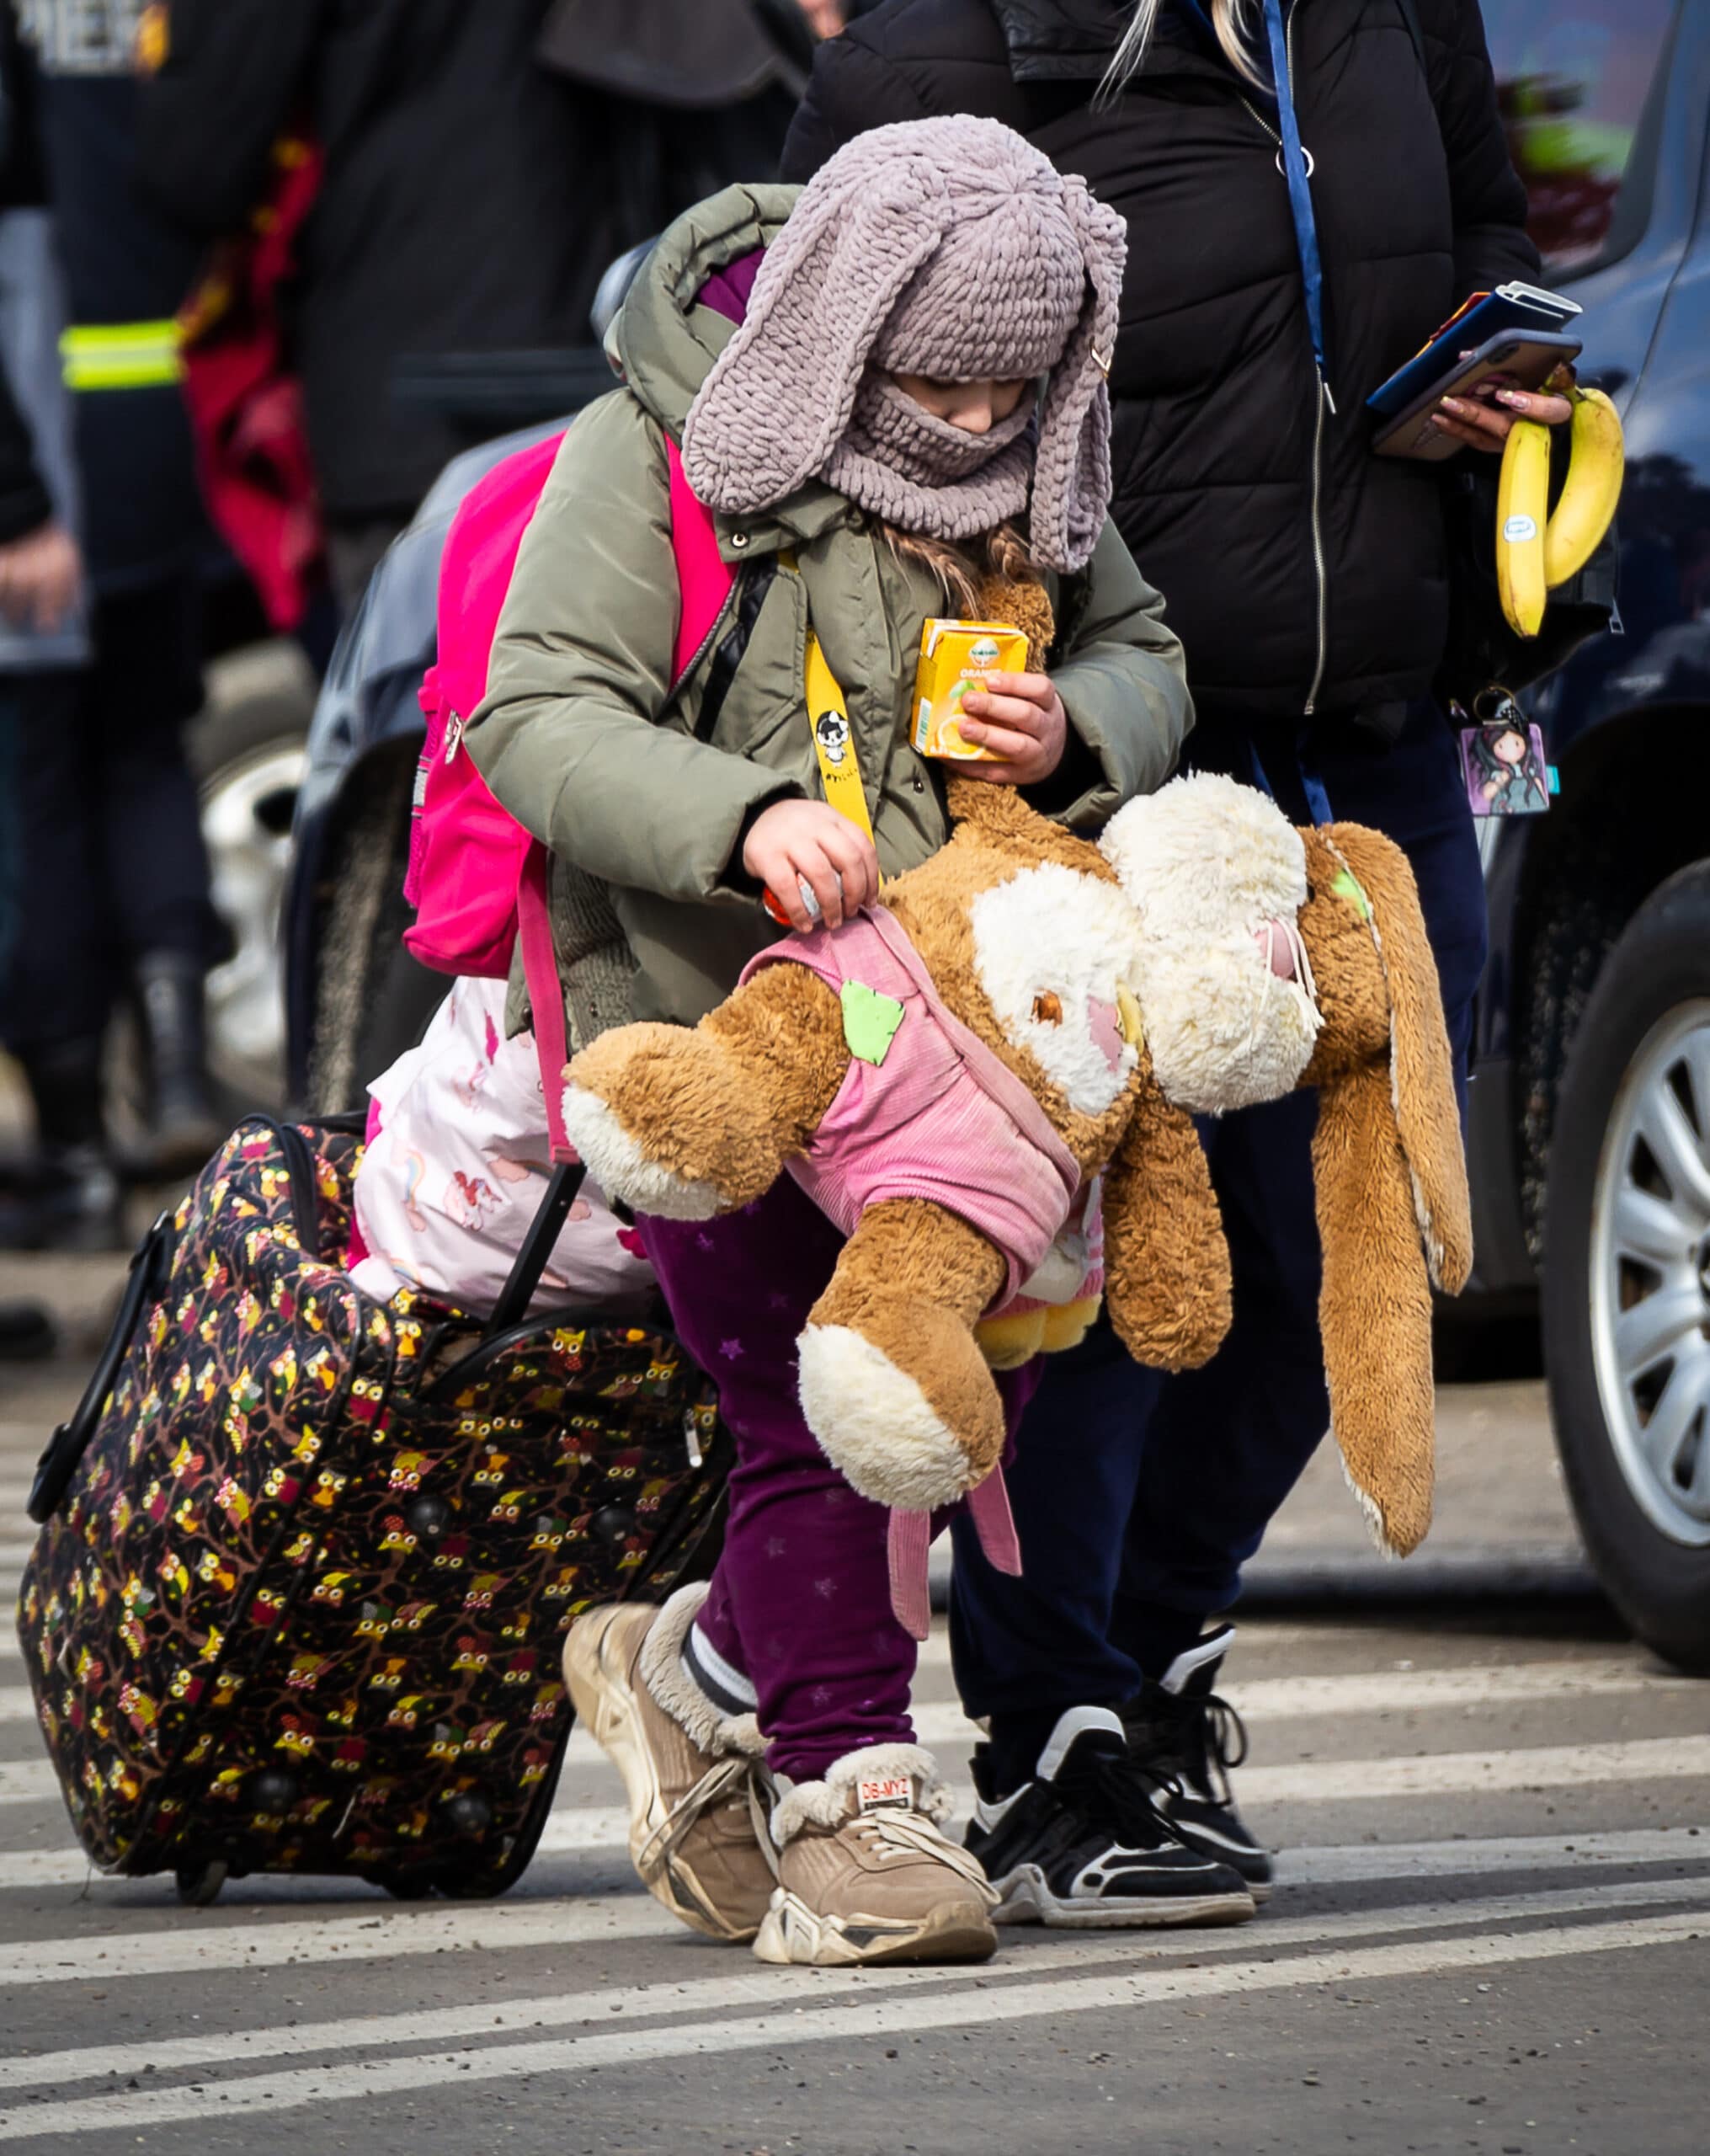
948,247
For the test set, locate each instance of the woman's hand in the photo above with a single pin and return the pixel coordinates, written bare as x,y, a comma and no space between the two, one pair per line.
39,577
1021,719
1486,426
825,18
795,842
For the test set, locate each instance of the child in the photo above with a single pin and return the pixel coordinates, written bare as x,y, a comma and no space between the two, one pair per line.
892,395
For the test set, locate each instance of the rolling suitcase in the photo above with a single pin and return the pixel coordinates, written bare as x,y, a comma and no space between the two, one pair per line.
307,1560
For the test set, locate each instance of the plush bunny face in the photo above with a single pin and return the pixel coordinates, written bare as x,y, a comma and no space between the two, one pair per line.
1207,863
1056,954
1033,946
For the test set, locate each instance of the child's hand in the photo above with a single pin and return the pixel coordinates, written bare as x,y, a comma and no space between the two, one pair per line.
797,842
1021,718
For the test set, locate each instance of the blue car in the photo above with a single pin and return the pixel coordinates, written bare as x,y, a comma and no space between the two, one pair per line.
1590,1134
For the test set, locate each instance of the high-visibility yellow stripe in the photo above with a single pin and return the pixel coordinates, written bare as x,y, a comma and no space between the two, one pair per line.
122,355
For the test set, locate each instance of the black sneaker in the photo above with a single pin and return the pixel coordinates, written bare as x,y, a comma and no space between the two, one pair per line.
1184,1740
1081,1845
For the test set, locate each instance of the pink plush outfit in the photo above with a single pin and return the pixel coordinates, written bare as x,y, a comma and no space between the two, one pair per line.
941,1117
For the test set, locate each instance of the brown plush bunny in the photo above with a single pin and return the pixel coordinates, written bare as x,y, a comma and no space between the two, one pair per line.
1200,860
945,1076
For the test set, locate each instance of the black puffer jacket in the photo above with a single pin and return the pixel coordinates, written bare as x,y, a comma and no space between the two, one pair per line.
1213,382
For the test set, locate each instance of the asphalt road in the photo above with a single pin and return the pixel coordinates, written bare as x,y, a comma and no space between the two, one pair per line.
1492,1933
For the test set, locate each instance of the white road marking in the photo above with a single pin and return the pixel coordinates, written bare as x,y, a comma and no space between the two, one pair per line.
904,2012
389,1932
589,1828
758,1987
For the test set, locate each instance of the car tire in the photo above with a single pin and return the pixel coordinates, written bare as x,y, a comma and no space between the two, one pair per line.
373,1002
1626,1296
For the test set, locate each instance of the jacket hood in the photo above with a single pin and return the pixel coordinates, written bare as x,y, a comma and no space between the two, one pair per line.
663,342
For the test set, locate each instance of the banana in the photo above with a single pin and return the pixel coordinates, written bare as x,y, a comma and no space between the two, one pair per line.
1522,506
1591,491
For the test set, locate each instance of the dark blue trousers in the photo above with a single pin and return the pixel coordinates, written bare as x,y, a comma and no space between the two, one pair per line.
1138,1496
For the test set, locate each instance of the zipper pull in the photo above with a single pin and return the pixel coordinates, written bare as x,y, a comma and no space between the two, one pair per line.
453,738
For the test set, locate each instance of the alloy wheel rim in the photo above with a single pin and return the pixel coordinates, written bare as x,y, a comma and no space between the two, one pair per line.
245,827
1650,1275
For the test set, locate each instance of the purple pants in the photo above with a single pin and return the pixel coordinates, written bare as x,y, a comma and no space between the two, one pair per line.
801,1602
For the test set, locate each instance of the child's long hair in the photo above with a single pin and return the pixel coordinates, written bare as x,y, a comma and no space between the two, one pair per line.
959,571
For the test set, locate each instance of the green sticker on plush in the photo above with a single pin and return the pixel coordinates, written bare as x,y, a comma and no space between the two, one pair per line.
1348,886
869,1021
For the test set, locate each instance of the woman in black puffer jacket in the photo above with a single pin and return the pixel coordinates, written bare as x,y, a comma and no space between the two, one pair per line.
1307,581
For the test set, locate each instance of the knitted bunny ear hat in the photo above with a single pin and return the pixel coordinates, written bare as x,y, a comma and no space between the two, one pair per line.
948,247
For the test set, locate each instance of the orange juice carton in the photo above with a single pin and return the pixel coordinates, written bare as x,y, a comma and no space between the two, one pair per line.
955,657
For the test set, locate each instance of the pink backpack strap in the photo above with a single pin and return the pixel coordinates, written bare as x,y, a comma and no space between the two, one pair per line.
704,577
546,994
704,580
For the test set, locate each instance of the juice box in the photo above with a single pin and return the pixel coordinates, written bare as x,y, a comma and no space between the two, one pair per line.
955,657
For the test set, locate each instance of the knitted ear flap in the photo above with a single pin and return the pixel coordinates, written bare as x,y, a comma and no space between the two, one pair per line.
1072,467
778,397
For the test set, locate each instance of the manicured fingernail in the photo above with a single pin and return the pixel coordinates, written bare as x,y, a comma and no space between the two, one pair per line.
1453,404
1516,398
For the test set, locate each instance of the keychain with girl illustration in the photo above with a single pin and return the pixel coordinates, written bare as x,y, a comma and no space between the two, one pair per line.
1502,756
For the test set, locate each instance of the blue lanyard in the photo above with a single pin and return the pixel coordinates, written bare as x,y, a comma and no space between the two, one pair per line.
1318,799
1300,198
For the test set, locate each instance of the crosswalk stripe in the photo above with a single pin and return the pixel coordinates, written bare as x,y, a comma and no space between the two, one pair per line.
909,2011
1551,1766
387,1932
1359,1691
585,1829
754,1987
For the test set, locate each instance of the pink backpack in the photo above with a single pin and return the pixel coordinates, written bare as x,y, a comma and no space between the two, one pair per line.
476,879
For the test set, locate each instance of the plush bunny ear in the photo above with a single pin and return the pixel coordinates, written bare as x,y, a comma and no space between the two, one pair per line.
778,397
1072,465
1422,1081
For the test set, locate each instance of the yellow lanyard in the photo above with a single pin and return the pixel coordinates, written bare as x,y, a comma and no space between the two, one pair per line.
834,741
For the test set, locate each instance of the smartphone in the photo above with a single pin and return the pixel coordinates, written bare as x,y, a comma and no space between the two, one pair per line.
1484,316
1525,359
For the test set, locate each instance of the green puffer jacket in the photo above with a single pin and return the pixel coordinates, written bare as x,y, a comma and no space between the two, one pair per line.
584,740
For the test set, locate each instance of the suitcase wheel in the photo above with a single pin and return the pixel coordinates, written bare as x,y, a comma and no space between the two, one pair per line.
198,1883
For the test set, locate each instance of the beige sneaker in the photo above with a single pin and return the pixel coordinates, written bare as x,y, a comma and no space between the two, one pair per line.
864,1874
696,1816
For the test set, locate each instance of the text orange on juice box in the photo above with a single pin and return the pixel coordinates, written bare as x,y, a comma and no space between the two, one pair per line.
955,657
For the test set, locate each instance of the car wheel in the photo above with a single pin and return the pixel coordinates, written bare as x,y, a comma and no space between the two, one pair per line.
1627,1272
373,1000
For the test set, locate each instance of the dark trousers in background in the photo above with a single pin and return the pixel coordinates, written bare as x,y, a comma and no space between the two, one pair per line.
1139,1498
111,862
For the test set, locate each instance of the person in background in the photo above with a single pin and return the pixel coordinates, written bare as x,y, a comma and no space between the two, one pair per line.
42,640
115,878
482,167
1309,583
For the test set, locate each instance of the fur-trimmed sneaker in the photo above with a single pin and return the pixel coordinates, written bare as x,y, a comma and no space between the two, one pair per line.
864,1873
1184,1740
690,1769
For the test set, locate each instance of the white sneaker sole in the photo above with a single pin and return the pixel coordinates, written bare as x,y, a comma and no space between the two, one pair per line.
792,1933
605,1705
1028,1898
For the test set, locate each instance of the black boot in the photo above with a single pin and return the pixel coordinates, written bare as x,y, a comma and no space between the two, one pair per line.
186,1125
68,1198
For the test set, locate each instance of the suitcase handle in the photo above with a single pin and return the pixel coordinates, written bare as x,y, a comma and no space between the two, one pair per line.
538,1245
66,1448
